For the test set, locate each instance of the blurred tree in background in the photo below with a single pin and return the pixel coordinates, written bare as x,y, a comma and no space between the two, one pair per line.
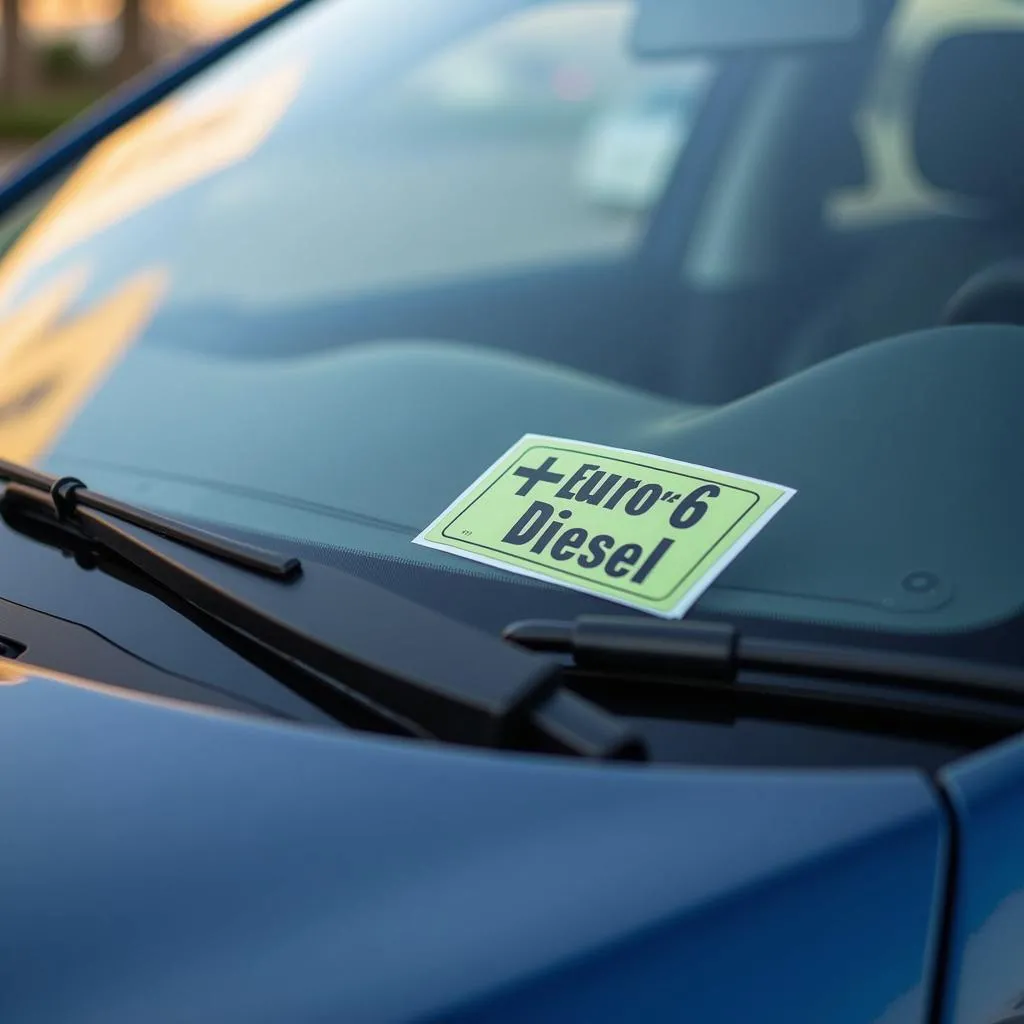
62,63
60,55
134,54
12,77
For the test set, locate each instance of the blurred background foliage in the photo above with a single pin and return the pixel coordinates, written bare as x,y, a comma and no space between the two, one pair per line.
59,56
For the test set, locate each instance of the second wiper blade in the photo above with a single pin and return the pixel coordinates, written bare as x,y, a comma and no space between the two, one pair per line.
718,651
458,684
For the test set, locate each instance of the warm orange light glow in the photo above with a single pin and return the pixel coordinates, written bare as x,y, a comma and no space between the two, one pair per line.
69,13
203,18
49,363
220,17
11,674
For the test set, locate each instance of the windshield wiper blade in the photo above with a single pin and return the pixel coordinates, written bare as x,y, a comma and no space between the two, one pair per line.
457,683
68,494
715,651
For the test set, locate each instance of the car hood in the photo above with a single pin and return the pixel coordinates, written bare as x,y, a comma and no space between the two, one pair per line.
164,864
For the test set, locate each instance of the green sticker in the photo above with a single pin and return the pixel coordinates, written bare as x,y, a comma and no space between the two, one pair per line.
641,530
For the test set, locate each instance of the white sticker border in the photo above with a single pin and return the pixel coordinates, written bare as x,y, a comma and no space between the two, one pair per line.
691,597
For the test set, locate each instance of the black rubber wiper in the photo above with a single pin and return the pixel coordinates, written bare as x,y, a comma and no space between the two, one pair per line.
67,495
455,683
714,653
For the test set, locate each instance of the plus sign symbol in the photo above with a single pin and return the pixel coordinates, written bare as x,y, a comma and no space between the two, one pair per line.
541,473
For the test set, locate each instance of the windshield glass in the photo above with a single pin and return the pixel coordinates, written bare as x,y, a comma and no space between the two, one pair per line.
321,287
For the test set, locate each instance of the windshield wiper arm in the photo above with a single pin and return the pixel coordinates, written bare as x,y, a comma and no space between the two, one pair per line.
457,683
714,651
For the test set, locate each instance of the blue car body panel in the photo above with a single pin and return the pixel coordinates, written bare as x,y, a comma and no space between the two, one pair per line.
986,981
165,864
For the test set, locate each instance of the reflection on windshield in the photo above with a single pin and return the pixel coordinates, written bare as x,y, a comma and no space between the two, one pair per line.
542,58
163,151
52,357
501,146
387,253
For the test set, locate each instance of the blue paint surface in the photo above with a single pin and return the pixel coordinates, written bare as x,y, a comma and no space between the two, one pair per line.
985,982
161,864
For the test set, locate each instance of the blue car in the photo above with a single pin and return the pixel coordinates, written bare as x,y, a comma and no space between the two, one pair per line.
427,595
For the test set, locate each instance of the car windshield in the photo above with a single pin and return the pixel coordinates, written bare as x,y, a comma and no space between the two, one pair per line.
319,288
